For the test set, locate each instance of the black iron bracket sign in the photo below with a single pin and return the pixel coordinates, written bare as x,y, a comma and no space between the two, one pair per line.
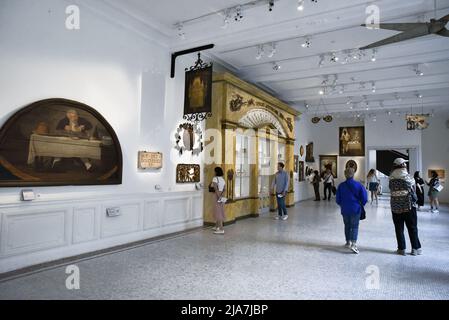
184,52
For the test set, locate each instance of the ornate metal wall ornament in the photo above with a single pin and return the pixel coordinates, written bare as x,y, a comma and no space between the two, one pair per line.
187,173
189,137
198,91
315,120
328,118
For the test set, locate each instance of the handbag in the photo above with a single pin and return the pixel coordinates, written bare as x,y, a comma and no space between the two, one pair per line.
334,190
211,187
439,187
362,211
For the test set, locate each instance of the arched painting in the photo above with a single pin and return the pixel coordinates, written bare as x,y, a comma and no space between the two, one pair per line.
59,142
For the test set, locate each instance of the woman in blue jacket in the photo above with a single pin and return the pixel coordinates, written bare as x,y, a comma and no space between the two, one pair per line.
351,195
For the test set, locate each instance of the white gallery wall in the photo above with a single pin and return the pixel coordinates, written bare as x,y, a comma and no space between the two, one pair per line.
387,132
125,77
435,148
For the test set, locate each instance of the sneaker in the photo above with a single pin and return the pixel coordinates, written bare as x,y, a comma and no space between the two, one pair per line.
219,232
416,252
284,218
347,245
214,229
277,218
436,211
354,248
419,252
401,252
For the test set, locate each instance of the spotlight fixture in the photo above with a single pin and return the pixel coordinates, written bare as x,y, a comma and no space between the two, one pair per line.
238,14
322,91
226,18
307,43
321,62
362,86
373,87
300,5
260,52
397,97
334,57
418,71
272,51
373,56
181,32
342,89
270,5
276,66
349,101
419,95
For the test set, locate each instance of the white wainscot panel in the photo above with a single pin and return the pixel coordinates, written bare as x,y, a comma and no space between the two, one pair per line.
176,210
197,208
128,221
152,215
85,224
36,230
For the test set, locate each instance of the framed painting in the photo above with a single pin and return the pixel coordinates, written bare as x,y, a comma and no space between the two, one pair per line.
351,164
352,141
309,153
301,176
198,91
329,162
58,142
441,173
301,151
296,160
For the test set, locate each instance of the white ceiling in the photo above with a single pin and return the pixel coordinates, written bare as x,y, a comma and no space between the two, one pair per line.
333,26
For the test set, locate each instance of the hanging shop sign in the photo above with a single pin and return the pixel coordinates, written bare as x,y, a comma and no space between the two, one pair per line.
198,91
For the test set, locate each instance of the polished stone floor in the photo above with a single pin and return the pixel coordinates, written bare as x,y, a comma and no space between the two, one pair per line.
302,258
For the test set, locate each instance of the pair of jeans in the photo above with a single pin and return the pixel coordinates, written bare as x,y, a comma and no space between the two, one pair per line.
351,226
282,208
411,221
316,188
327,187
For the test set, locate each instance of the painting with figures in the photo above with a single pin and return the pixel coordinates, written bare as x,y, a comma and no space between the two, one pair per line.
59,142
329,162
352,141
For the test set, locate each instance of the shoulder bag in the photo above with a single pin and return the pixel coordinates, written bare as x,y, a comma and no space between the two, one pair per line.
362,211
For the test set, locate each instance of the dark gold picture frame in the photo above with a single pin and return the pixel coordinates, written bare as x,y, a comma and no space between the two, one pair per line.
188,173
352,141
59,142
329,162
198,91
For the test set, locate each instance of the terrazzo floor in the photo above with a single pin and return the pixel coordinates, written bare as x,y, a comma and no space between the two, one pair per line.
302,258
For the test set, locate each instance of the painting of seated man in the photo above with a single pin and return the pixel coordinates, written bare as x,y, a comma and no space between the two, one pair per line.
59,142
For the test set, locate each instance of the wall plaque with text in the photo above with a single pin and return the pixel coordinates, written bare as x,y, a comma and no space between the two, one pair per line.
150,160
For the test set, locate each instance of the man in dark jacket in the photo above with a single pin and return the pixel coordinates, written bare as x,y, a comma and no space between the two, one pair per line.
403,206
351,196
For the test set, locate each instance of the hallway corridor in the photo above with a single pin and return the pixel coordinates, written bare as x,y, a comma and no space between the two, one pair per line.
302,258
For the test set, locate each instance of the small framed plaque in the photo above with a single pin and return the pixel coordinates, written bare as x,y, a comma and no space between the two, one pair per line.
28,195
150,160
